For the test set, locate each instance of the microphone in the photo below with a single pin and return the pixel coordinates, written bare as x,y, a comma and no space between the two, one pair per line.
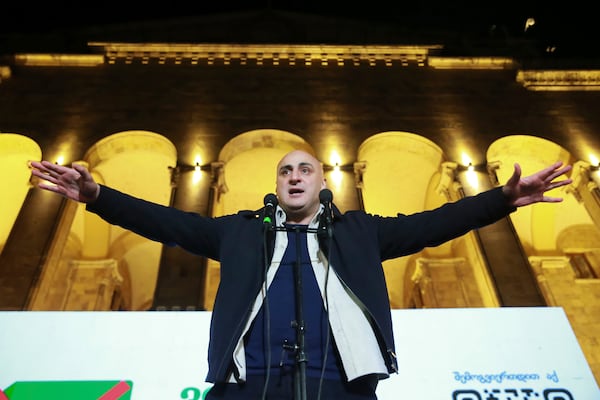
270,202
326,197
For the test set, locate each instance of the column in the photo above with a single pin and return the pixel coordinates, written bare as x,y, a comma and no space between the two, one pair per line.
182,275
27,247
507,262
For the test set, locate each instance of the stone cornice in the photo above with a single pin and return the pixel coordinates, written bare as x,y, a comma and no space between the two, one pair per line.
471,62
559,80
59,60
306,55
259,54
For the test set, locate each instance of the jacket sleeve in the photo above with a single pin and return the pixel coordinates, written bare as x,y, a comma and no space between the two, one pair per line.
168,225
407,234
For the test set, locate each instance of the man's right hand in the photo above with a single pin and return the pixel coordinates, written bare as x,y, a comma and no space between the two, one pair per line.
75,182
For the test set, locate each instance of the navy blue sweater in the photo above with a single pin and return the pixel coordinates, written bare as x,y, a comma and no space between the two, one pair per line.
281,300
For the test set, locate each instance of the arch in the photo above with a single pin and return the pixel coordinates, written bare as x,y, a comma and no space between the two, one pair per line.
394,162
538,225
247,173
263,138
585,236
138,163
399,170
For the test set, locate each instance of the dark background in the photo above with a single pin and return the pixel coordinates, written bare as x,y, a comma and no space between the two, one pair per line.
572,26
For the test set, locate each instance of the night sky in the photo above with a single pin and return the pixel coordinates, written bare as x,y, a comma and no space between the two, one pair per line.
574,26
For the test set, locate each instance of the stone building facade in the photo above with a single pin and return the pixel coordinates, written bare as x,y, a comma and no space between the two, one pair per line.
200,125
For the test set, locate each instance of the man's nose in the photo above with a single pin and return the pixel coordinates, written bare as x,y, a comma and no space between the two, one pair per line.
295,175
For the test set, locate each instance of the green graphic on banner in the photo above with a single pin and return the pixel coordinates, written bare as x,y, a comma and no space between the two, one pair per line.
68,390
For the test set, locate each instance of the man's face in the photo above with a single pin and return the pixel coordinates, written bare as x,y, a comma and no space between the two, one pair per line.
299,181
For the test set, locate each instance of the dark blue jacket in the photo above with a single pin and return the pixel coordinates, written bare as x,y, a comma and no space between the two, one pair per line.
361,241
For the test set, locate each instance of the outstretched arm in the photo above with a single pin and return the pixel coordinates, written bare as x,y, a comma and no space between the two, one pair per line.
75,182
531,189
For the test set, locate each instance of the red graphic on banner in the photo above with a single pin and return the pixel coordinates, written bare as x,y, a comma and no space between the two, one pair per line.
115,392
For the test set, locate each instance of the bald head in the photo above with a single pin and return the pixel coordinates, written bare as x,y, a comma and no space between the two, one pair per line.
299,180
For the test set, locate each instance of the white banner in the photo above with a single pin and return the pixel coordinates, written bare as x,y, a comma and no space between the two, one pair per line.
455,354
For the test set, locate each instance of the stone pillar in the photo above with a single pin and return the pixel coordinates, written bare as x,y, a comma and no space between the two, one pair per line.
212,275
359,171
27,247
49,292
182,275
507,262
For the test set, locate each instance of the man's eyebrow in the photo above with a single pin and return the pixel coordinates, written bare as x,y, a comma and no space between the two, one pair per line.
290,166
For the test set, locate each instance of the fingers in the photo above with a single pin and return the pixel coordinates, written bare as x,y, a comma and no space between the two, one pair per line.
560,172
83,171
560,183
554,171
45,167
549,171
515,176
548,174
56,176
40,171
517,168
44,176
556,174
547,199
52,188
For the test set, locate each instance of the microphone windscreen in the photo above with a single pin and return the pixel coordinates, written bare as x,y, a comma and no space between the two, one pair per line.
270,199
325,196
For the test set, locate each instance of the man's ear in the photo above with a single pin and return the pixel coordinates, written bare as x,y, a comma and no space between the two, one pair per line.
324,184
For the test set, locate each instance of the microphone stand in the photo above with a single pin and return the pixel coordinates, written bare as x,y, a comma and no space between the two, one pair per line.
298,323
301,360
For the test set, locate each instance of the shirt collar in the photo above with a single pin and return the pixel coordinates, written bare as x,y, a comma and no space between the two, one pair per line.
281,217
